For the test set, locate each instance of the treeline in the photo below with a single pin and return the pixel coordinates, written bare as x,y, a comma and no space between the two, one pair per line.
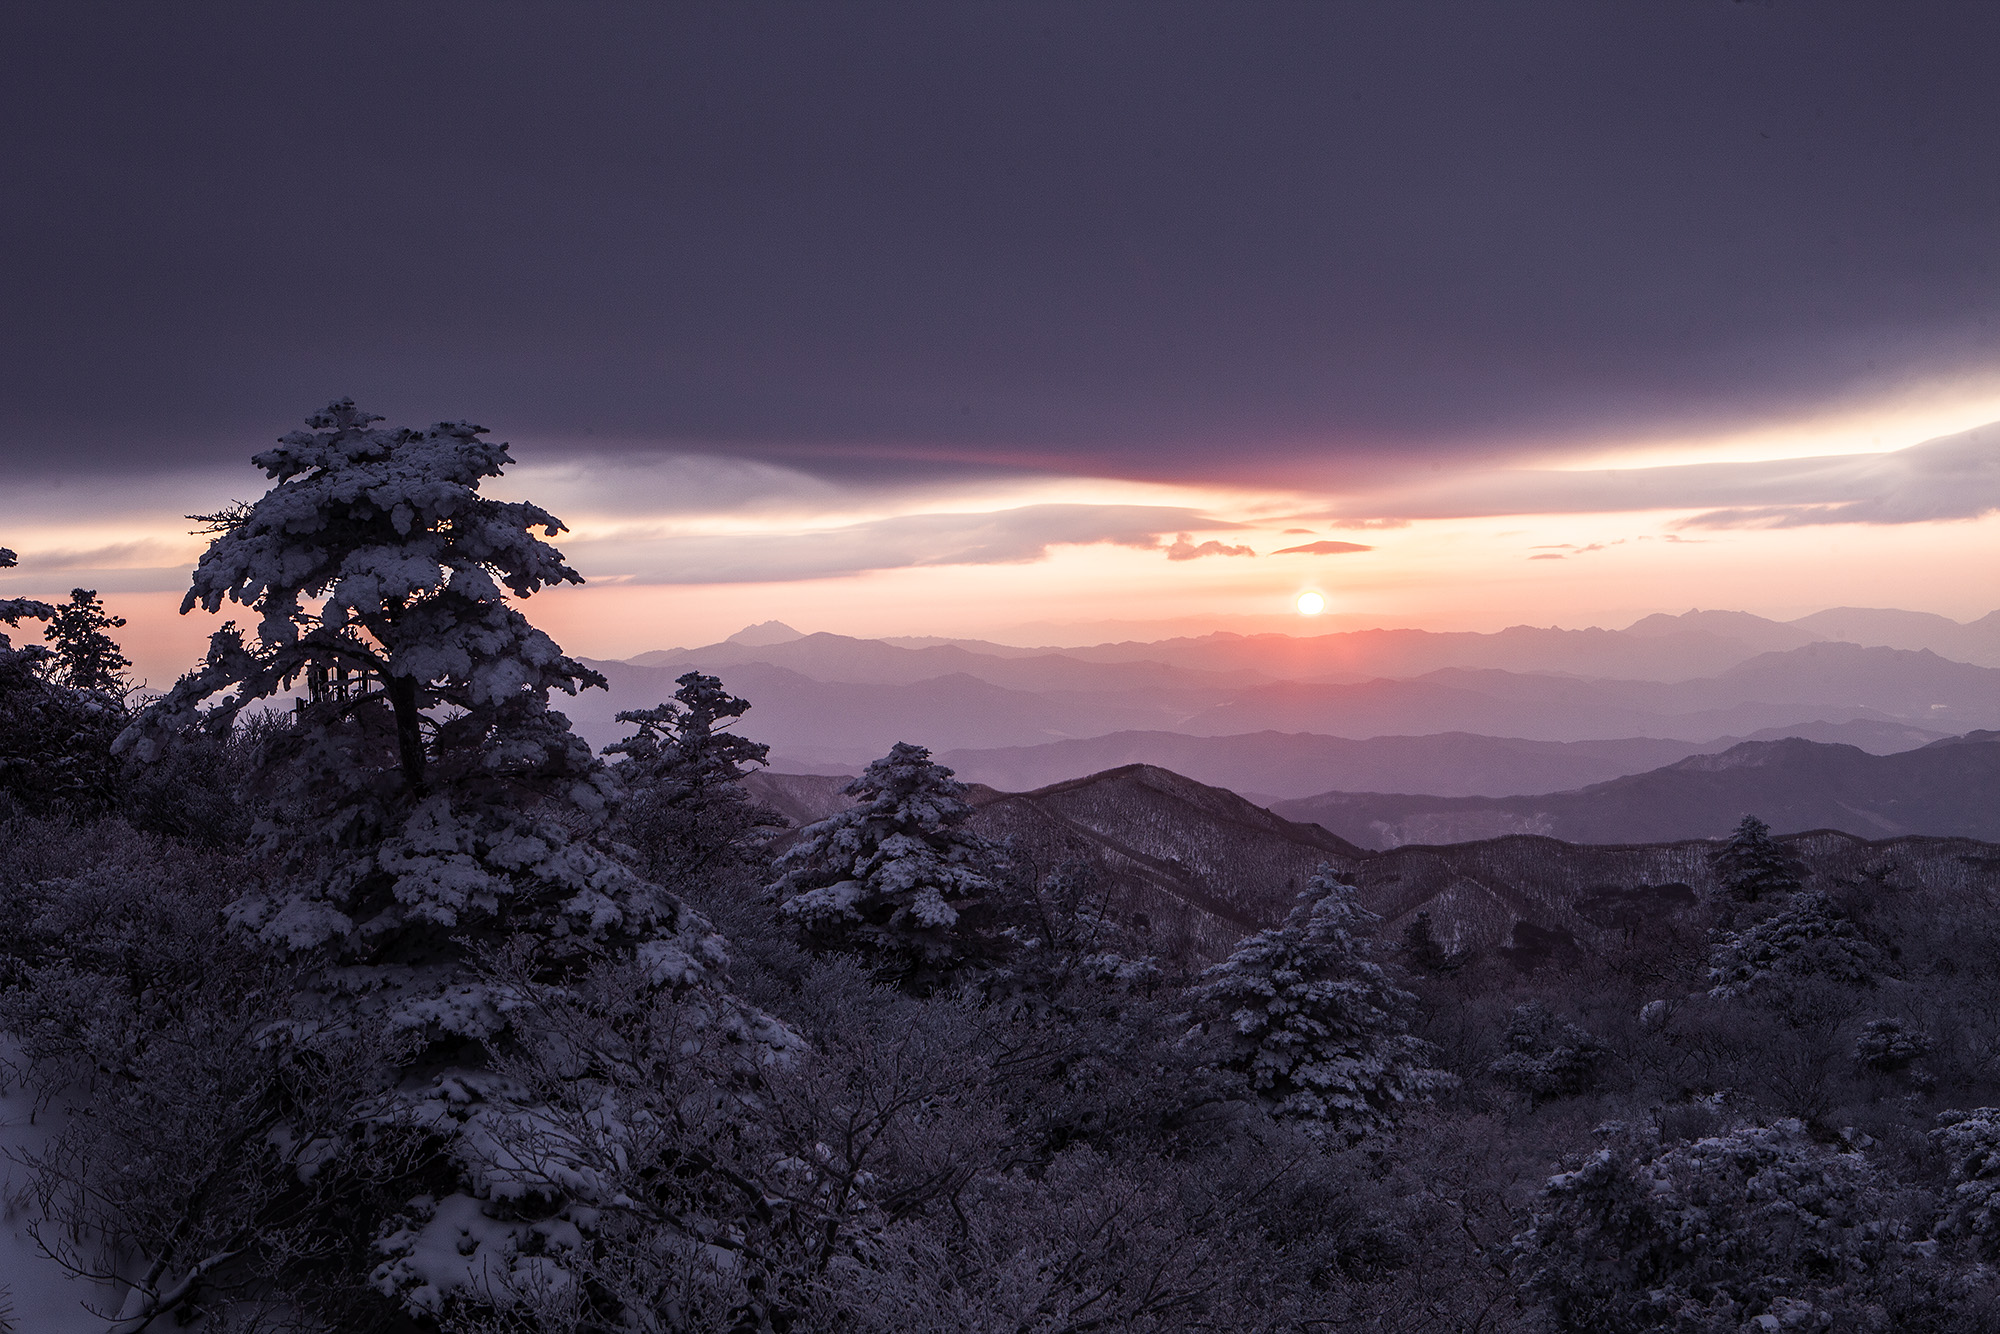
365,997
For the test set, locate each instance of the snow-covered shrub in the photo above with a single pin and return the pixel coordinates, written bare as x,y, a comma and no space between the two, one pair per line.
1809,940
200,786
210,1152
1889,1045
1547,1056
1319,1029
685,810
1973,1140
1759,1228
889,877
1061,947
681,1173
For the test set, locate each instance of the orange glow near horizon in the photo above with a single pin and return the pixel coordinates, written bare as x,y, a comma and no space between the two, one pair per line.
1576,569
1605,570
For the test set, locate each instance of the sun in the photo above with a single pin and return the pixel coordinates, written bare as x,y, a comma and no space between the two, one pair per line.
1311,603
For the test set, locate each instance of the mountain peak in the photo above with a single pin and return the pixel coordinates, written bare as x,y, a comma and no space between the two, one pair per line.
764,632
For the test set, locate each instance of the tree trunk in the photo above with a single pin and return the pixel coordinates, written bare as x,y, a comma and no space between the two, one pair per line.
402,691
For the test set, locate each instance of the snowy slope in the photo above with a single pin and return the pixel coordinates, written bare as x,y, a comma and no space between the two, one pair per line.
43,1298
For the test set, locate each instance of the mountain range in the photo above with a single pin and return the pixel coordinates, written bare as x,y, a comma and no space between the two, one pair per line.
1272,765
1519,711
1949,788
1195,868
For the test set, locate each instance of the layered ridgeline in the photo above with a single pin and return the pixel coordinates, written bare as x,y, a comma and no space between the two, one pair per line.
1520,711
1949,787
398,1007
1196,867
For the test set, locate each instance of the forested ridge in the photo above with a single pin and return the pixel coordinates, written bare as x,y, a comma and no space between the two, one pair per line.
361,995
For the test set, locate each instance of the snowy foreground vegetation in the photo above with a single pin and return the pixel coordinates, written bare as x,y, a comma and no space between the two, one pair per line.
350,991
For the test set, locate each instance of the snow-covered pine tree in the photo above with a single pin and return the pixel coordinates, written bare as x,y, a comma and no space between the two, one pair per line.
431,808
1754,866
1318,1027
430,796
889,877
685,809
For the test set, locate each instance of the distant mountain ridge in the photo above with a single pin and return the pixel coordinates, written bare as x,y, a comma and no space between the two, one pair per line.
1973,641
832,703
1949,788
1833,682
1194,868
1272,765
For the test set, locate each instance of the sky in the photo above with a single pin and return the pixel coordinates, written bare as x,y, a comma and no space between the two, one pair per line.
1040,322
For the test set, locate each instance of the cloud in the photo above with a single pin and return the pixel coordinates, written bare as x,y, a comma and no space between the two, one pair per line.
1952,477
1322,549
147,565
147,553
1184,548
1013,536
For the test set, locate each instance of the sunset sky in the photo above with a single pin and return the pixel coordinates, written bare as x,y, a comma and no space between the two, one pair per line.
1046,323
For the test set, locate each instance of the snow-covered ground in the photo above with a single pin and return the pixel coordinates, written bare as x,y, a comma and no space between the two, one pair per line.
43,1298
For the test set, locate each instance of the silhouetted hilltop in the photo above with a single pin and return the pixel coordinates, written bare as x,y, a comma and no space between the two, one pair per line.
1197,867
1274,765
1947,788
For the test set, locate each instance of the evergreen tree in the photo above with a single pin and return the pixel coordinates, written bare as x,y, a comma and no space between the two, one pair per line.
55,742
686,811
427,797
1754,866
85,657
890,877
435,813
1320,1029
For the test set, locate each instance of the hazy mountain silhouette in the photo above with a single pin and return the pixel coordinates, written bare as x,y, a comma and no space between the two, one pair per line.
834,701
841,658
1830,681
1947,788
1755,633
1974,642
1658,653
1271,765
846,723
